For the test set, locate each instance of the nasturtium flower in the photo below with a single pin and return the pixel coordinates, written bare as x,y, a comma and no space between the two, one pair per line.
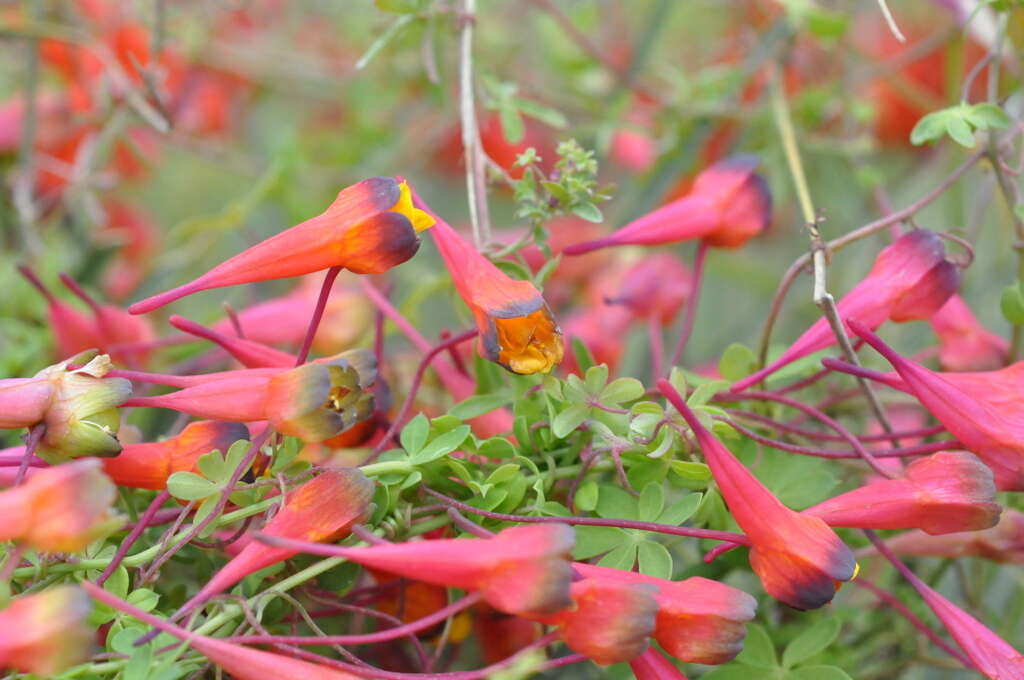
62,508
501,635
322,509
370,227
651,665
1002,543
147,465
248,353
655,287
947,492
728,205
315,401
46,632
910,280
798,558
517,330
77,408
964,344
698,620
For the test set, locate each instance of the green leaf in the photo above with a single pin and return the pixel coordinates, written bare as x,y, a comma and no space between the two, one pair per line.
139,663
588,211
479,404
621,390
544,114
414,434
542,275
930,128
497,447
595,379
188,486
512,126
503,473
655,560
813,640
205,509
651,502
817,673
383,39
558,192
702,393
584,359
234,457
586,496
986,116
690,470
569,419
758,649
118,582
442,445
615,503
1011,302
680,511
738,361
733,671
400,6
593,541
622,557
211,465
960,131
143,598
123,642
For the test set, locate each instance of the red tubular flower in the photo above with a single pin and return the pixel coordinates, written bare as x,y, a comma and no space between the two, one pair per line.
148,465
241,662
911,280
964,344
656,287
517,330
651,665
60,509
314,402
73,331
1002,543
501,635
322,509
946,492
609,621
522,570
985,415
698,621
47,632
798,558
250,354
369,228
728,205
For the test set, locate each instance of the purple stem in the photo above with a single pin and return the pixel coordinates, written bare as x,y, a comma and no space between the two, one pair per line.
811,434
318,314
136,531
35,435
691,307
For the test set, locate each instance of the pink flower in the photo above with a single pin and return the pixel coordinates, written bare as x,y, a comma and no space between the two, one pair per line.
728,205
911,279
651,665
47,632
656,287
964,344
798,558
946,492
1002,543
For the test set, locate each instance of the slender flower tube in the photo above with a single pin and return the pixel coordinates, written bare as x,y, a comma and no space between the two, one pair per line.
698,621
62,508
517,330
241,662
991,655
148,465
729,204
964,344
609,621
656,287
651,665
1002,543
73,331
369,228
47,632
77,408
910,280
798,558
314,402
986,416
522,570
947,492
322,509
249,353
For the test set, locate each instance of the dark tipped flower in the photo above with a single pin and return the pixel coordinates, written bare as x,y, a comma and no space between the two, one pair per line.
728,205
982,410
62,508
964,344
609,620
698,621
148,465
369,228
314,402
516,328
798,558
322,509
656,287
77,408
47,632
946,492
911,280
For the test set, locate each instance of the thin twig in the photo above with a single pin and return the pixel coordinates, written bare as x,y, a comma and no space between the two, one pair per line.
475,183
691,306
891,21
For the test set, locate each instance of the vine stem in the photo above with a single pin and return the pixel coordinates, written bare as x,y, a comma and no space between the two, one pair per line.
318,314
691,307
35,435
476,188
822,298
129,541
